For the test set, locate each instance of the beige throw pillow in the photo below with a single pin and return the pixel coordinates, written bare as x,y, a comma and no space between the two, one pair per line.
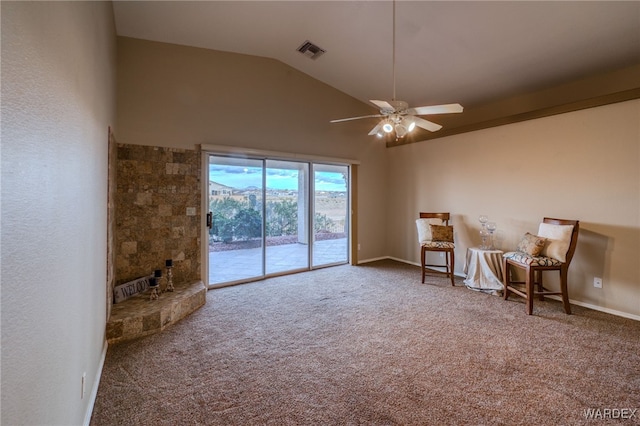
531,244
558,240
442,233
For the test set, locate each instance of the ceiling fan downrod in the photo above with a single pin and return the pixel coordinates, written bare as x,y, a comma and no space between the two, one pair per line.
393,54
396,115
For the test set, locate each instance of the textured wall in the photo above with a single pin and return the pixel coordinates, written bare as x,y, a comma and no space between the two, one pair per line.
155,189
58,101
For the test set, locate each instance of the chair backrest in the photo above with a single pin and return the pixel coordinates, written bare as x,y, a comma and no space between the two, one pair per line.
574,234
443,216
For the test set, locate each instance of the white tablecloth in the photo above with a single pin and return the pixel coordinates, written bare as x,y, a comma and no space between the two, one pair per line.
484,270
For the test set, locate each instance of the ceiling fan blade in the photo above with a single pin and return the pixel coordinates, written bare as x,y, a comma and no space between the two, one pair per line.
375,130
427,125
339,120
436,109
383,105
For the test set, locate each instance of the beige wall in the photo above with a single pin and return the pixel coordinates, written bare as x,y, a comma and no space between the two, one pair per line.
581,165
58,100
178,96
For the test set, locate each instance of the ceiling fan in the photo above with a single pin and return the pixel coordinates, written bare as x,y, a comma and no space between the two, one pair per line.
397,116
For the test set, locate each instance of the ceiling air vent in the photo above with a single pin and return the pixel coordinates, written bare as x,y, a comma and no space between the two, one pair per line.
310,50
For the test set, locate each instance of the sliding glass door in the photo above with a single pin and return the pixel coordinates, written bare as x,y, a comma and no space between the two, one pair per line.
331,214
287,225
263,221
235,219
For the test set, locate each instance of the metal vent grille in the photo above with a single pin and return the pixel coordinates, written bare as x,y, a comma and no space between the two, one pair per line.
310,50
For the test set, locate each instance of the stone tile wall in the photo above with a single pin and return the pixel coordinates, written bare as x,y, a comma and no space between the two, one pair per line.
157,212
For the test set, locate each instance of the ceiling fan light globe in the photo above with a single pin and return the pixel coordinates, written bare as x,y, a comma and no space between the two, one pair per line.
412,125
401,131
387,127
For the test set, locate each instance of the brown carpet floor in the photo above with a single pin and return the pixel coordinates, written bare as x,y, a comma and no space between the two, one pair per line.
369,344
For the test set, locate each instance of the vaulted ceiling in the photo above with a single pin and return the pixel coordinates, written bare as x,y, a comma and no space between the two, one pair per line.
446,51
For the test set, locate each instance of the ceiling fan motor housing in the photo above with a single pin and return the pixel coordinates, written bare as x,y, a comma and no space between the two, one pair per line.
399,107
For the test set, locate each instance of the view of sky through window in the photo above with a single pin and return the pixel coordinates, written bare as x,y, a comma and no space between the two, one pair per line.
245,177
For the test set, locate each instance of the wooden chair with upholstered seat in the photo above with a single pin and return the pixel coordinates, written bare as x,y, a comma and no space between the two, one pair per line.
435,235
551,250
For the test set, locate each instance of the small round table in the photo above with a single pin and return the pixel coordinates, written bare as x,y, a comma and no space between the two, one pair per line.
483,268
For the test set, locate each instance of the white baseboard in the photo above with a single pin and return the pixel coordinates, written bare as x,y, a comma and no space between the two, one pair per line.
404,261
375,259
599,308
96,384
457,274
573,302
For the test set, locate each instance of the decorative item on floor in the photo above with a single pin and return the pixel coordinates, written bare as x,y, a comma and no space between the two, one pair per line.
157,274
129,289
153,285
169,265
491,228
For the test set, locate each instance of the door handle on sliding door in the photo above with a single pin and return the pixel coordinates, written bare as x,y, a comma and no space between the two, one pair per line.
210,220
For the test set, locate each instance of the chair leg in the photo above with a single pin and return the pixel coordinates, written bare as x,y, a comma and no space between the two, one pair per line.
529,285
506,279
538,277
563,289
452,265
422,261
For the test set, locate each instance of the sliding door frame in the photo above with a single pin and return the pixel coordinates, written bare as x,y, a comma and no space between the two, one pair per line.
227,151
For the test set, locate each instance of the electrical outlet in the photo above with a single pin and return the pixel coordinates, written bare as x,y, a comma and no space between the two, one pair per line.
84,379
597,282
358,246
